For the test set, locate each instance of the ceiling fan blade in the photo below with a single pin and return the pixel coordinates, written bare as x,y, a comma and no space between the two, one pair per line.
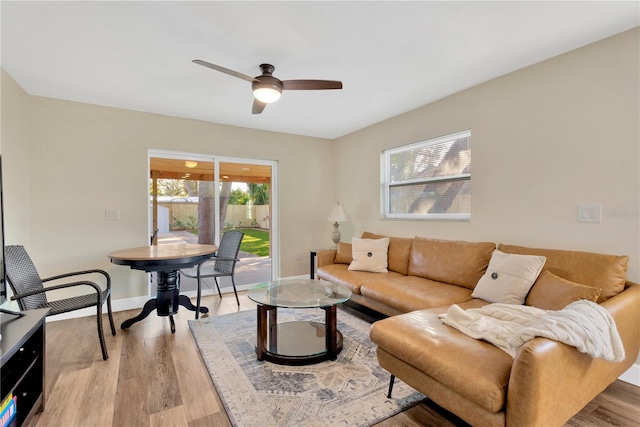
311,84
258,106
223,70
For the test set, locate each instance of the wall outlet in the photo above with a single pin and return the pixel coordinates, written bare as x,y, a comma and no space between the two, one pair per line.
112,214
298,255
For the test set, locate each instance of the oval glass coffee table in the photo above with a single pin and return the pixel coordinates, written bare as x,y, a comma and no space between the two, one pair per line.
298,342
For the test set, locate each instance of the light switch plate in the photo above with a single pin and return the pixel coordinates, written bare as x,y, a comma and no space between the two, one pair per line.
112,214
589,213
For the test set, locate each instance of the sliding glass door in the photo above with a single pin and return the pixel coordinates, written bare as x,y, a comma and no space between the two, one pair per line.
194,199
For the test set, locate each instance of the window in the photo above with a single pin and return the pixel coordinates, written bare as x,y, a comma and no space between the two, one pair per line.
429,179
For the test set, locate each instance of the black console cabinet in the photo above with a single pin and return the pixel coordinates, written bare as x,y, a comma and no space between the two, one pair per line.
23,362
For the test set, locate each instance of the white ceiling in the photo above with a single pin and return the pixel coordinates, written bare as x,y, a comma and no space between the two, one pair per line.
392,57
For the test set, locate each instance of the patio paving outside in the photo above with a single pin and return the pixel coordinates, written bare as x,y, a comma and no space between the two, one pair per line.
251,269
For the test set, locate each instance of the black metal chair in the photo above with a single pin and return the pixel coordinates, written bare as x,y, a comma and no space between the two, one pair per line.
29,291
222,264
151,239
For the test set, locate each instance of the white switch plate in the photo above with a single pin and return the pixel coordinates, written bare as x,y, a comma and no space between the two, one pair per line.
589,213
112,214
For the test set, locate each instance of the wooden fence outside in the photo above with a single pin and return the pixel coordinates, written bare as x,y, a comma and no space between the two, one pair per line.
184,216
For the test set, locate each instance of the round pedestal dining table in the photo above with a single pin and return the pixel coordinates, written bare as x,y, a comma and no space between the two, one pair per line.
166,261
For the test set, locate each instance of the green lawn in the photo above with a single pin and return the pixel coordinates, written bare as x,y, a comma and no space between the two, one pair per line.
255,241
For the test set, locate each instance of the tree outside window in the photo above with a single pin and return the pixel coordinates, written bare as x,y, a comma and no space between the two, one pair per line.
428,180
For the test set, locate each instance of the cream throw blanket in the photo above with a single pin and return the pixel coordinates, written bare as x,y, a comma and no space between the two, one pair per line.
581,324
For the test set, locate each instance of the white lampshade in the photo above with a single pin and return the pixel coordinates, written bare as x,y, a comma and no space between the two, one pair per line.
337,214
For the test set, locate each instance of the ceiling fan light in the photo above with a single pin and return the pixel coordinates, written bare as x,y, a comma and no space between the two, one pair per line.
266,94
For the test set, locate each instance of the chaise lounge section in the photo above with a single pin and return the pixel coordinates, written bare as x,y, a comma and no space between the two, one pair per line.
545,384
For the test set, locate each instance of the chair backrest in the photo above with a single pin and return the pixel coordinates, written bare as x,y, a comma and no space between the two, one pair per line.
23,277
153,236
229,248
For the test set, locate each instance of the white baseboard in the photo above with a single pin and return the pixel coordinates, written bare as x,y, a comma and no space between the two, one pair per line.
632,375
137,303
116,305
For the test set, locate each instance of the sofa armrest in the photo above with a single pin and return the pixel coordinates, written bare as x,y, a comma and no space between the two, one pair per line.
326,257
550,382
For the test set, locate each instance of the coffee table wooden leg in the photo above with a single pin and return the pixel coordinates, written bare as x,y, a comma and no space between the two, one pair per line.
267,319
272,329
331,330
261,332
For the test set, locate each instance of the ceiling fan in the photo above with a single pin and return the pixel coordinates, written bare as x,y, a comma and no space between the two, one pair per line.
267,88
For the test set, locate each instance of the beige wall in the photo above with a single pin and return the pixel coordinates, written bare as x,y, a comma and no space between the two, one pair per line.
94,158
14,143
544,139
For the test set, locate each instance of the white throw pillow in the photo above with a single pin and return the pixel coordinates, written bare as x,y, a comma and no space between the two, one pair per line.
509,277
369,255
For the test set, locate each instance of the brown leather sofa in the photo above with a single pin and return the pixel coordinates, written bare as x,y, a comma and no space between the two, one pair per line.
544,385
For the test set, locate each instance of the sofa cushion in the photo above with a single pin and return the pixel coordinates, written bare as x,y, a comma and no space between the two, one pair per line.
399,251
344,254
551,292
369,255
408,293
607,272
508,278
449,261
474,369
339,273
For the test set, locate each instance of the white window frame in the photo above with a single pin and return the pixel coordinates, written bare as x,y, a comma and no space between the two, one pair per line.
386,185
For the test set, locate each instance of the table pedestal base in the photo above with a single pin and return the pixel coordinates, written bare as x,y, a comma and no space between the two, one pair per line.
167,301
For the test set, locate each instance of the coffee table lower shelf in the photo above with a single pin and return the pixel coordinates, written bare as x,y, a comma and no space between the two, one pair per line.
297,342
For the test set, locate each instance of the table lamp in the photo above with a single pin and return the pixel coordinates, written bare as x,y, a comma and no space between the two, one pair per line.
336,216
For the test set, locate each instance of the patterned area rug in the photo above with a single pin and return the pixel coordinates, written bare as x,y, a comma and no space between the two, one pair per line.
350,391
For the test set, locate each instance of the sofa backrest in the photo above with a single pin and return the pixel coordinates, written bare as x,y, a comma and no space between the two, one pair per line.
399,251
607,272
450,261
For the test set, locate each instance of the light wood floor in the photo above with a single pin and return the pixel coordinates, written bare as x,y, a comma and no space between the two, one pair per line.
154,377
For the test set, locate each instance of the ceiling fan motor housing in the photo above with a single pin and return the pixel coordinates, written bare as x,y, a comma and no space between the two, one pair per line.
266,82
